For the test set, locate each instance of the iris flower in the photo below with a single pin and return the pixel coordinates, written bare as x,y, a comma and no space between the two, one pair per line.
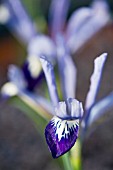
68,115
17,20
85,19
62,131
82,24
15,17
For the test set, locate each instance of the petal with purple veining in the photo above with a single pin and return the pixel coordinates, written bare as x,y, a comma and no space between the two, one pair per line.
61,135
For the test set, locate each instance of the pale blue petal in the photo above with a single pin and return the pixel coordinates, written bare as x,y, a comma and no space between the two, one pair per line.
67,70
95,80
50,78
40,100
77,21
16,76
57,16
100,6
69,110
42,45
89,27
18,22
76,108
61,110
100,108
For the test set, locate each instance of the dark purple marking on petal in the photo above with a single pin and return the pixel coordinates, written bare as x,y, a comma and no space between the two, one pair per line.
31,81
61,135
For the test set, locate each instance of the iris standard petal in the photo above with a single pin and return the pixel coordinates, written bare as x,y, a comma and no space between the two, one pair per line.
18,21
76,108
57,15
77,20
69,110
100,6
95,80
42,45
50,78
61,110
91,25
67,69
61,135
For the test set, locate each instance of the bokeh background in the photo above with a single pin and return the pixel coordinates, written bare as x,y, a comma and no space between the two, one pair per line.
21,147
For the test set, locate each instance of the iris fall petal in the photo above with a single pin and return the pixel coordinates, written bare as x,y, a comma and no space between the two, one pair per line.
61,135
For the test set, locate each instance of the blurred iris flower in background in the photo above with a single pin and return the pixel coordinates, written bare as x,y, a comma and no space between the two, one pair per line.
83,24
44,51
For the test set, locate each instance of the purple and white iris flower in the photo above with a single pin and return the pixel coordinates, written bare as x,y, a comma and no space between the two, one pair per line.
16,18
19,23
14,15
22,83
19,82
62,131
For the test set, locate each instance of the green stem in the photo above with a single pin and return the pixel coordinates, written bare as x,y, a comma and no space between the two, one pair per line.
66,162
76,156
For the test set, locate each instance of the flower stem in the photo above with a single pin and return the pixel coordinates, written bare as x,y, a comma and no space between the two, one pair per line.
66,162
75,156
